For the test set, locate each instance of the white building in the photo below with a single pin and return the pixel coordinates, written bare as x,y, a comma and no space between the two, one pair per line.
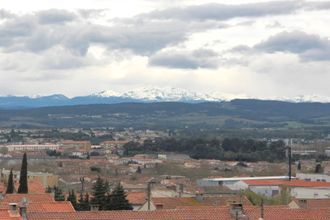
32,147
313,177
233,182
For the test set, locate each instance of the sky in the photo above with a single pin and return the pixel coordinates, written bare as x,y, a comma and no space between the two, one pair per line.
252,48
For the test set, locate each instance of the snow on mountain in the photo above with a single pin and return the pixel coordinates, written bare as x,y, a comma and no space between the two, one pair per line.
176,94
160,94
307,98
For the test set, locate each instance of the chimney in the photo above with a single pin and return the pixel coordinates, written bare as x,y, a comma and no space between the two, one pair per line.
199,197
302,203
180,189
289,161
237,211
13,210
23,208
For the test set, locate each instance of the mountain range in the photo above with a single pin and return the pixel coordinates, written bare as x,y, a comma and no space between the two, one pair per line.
140,95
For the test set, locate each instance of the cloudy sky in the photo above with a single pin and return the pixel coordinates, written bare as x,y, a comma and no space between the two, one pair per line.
257,48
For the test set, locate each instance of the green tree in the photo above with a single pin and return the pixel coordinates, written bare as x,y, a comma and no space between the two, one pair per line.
139,171
48,189
23,179
299,166
58,194
10,185
73,199
117,200
318,168
83,202
99,193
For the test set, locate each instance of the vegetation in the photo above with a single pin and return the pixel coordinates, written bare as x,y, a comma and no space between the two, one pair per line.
84,203
10,184
256,199
73,199
237,118
23,179
116,200
58,194
100,189
228,149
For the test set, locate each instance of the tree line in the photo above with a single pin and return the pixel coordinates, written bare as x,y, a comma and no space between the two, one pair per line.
101,197
228,149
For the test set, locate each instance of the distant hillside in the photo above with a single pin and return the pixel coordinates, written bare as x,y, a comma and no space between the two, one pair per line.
236,114
140,95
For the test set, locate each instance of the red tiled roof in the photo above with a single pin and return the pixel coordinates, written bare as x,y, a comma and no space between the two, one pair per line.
292,183
174,202
32,198
177,214
35,187
281,213
4,215
64,206
136,197
314,203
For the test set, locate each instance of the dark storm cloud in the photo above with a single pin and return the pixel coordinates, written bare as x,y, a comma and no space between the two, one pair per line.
185,60
309,47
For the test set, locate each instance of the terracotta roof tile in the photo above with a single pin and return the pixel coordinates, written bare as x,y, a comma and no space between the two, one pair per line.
281,213
198,214
32,198
136,197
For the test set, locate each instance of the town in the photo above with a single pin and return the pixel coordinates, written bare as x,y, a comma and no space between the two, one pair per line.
74,173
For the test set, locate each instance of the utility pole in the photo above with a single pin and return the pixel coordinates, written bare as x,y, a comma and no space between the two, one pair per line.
149,193
262,209
82,181
289,161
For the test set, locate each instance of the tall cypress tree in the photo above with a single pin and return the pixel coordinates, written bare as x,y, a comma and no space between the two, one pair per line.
23,179
118,199
10,185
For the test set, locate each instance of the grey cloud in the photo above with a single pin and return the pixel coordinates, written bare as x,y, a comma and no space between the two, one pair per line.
6,14
186,60
54,16
142,37
224,12
309,47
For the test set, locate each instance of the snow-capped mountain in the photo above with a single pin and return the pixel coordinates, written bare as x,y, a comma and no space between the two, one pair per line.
144,94
160,94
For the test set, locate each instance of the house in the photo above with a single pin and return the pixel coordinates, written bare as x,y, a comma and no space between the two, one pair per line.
297,188
31,147
231,182
70,145
313,177
46,179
